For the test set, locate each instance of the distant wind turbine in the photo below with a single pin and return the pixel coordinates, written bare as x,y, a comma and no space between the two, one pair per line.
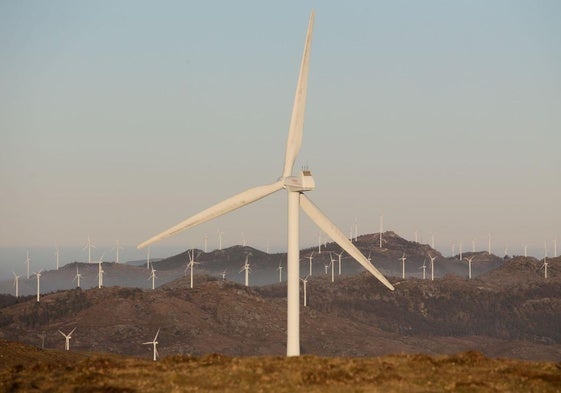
117,248
295,187
247,269
305,282
67,338
319,243
432,267
191,264
461,251
310,257
224,275
152,276
381,229
489,245
544,266
403,258
57,254
148,258
469,265
27,261
154,343
205,242
16,283
326,266
100,273
89,245
38,275
526,251
220,233
77,277
555,248
332,263
424,267
340,255
280,271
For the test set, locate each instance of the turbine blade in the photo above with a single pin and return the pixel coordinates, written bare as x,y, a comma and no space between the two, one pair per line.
226,206
328,227
156,337
299,107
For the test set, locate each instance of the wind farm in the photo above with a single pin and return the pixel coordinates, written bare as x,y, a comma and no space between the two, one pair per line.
392,155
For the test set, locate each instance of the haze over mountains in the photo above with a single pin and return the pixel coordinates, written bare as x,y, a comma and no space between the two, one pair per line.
508,310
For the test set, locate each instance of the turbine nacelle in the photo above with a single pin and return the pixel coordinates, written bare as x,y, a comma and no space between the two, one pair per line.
304,182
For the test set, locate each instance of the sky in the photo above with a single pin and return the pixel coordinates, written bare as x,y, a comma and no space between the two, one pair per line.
118,119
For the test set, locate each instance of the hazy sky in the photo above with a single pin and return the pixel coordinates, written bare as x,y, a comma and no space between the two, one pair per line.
119,119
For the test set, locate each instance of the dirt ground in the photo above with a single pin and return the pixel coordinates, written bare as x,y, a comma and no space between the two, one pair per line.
28,369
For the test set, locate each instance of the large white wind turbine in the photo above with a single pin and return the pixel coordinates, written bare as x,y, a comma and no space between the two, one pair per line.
67,338
89,245
295,187
280,271
16,283
247,269
154,343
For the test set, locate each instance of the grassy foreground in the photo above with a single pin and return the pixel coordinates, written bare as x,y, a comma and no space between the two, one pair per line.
57,371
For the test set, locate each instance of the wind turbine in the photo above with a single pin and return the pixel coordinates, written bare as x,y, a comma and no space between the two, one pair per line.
247,269
489,245
57,254
16,283
220,233
100,273
117,248
280,271
154,343
403,258
152,276
148,258
295,187
305,282
381,229
311,257
319,243
38,275
555,248
544,266
326,266
461,251
469,265
332,264
432,267
67,338
205,242
27,261
340,256
77,277
192,263
424,267
224,275
89,245
526,251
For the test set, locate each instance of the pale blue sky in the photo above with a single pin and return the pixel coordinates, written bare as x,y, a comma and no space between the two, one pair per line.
120,118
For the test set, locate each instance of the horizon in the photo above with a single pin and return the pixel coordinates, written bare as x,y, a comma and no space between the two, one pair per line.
443,118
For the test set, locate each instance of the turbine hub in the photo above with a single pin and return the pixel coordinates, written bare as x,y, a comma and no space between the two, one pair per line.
304,182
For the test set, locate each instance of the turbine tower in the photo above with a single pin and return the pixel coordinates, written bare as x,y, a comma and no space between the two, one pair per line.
319,243
148,258
27,261
100,273
77,277
340,255
403,265
469,265
381,229
154,343
544,266
89,245
247,269
191,264
295,187
57,254
117,248
489,245
38,275
332,264
305,282
311,257
220,233
280,271
205,242
461,251
16,283
152,276
424,267
67,338
432,267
